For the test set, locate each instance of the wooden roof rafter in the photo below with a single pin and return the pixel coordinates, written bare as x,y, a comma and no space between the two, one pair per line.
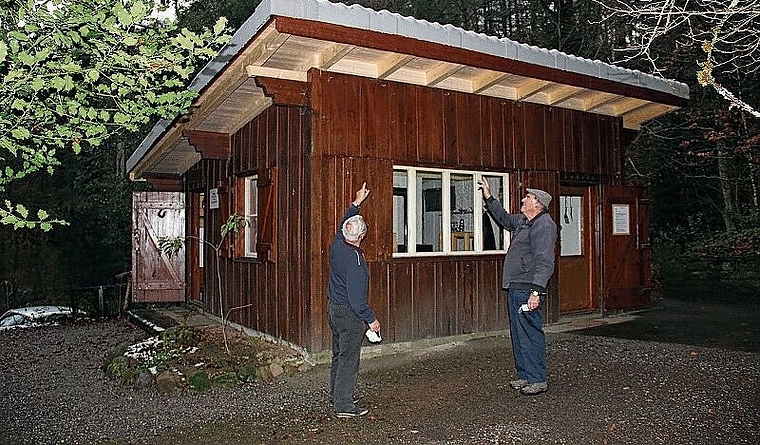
284,39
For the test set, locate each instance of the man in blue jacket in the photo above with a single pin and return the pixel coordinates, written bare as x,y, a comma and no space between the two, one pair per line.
527,268
347,309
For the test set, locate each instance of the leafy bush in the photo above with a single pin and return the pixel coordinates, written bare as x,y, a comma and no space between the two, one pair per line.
122,369
688,261
180,336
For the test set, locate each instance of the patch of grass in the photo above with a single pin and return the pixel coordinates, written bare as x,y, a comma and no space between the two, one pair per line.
226,378
122,369
199,381
181,336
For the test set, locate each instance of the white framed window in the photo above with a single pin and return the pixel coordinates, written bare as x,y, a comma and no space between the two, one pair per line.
442,212
571,224
251,215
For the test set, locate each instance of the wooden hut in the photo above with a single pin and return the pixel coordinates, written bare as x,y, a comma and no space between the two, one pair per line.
310,99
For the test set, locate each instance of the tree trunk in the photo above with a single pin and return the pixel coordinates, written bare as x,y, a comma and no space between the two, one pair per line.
753,173
725,187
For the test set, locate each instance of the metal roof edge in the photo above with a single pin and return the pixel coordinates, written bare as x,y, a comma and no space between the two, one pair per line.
384,21
146,143
357,16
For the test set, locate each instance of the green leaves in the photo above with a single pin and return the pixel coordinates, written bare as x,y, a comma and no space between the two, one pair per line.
234,223
170,246
220,25
124,17
100,68
184,42
20,133
18,217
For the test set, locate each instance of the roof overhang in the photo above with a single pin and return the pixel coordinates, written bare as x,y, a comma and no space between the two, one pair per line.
283,39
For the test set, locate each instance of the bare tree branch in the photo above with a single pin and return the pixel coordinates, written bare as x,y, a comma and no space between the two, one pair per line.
725,30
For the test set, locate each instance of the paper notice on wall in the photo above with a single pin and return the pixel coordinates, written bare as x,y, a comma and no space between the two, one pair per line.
213,199
621,219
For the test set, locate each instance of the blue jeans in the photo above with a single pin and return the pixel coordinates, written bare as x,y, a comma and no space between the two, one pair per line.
348,333
526,329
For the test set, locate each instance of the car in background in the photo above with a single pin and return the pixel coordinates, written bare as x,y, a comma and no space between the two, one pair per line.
33,316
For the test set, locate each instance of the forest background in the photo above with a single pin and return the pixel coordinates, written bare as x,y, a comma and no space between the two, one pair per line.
700,163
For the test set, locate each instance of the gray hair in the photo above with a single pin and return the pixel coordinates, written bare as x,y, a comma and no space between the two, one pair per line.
353,228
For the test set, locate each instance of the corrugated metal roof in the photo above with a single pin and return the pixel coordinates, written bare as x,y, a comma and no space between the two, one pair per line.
290,55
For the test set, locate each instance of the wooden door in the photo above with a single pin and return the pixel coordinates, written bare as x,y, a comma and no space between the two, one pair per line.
627,251
155,276
577,226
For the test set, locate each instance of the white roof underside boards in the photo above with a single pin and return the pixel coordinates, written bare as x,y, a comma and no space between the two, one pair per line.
230,98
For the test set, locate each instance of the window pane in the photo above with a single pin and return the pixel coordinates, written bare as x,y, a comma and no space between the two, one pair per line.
570,225
442,211
430,200
400,222
493,235
253,229
461,212
251,215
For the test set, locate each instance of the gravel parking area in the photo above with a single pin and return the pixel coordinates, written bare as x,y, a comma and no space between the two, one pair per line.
603,390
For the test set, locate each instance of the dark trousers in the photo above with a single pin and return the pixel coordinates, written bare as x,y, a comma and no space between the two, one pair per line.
348,333
526,329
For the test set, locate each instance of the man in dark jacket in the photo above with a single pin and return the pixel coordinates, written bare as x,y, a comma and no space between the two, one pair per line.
527,268
347,309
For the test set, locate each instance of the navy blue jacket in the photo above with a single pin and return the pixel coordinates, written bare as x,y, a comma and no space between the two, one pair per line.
530,258
349,274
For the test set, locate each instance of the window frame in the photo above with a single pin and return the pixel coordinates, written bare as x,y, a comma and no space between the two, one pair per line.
571,232
250,183
412,212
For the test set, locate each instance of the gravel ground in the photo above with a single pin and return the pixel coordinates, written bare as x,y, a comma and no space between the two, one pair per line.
603,390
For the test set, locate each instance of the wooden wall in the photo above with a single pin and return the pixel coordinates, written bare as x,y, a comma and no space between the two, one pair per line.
362,127
354,130
277,140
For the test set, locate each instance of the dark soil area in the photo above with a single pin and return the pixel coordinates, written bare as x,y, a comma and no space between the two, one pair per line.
682,374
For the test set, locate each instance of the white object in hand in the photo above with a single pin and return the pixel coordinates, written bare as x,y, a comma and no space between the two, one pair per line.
373,336
524,308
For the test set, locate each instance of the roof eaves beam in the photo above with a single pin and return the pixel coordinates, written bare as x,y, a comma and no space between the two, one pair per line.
332,55
396,61
263,71
531,88
646,112
440,73
462,56
264,47
566,96
484,82
600,100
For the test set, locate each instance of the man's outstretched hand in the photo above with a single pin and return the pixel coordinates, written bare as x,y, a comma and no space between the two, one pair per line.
485,187
361,195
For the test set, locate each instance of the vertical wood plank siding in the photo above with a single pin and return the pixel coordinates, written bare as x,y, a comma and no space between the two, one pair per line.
276,291
362,127
355,130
